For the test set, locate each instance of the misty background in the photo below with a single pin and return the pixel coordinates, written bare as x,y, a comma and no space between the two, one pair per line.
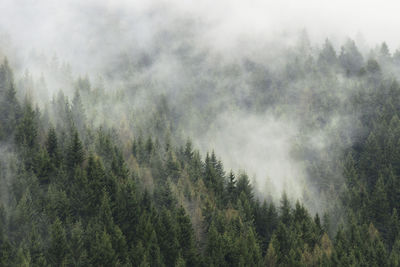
207,60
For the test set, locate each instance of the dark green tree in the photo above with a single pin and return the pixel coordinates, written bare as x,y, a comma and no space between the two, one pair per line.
58,249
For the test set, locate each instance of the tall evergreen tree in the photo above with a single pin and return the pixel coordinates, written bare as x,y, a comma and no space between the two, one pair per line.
58,249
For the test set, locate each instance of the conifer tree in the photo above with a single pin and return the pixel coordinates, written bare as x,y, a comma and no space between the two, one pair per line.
75,153
58,249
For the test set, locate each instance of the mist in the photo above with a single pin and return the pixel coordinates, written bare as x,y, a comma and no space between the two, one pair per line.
204,47
90,34
199,133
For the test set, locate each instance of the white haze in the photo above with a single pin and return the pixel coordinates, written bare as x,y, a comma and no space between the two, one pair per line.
91,34
90,30
262,146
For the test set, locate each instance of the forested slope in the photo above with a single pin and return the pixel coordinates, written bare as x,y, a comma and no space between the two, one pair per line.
129,188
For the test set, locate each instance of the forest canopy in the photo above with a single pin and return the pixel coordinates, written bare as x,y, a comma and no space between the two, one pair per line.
164,150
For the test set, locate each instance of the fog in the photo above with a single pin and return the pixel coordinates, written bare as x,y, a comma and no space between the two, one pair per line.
92,30
262,146
96,37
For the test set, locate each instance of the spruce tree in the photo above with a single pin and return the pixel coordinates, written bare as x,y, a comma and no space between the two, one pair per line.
58,249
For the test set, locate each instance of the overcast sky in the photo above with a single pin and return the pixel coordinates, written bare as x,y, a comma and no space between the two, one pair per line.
43,21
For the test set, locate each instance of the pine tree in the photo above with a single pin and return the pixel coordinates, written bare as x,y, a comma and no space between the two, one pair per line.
231,187
272,220
327,57
394,228
384,51
119,245
78,112
243,185
188,151
102,253
96,183
149,148
394,259
27,129
350,58
271,258
77,245
350,172
285,210
80,194
58,248
118,166
154,250
52,147
370,159
75,153
36,250
10,111
379,205
139,255
127,210
6,77
105,215
186,238
168,237
215,248
138,149
173,167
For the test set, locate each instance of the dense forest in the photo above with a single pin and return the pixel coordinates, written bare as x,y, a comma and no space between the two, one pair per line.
132,189
134,135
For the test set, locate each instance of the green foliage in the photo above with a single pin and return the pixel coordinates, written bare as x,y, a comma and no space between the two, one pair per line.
76,195
75,153
26,132
58,249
